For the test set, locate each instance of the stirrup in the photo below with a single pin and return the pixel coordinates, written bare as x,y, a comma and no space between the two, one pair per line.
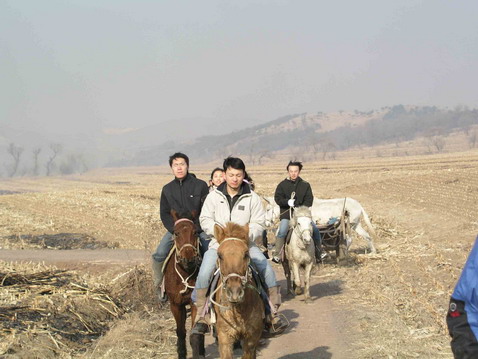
276,326
200,327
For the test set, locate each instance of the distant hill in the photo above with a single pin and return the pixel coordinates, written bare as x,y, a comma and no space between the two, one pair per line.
317,134
307,135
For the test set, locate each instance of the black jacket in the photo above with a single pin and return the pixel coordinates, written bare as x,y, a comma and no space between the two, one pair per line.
184,195
303,195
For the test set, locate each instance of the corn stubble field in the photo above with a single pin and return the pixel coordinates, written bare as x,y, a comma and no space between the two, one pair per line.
424,211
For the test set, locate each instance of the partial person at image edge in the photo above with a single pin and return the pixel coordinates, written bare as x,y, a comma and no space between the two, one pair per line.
462,317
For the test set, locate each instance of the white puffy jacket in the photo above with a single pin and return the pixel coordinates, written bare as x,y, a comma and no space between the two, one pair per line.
248,209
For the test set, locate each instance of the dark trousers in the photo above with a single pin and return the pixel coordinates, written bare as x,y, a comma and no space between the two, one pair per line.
463,343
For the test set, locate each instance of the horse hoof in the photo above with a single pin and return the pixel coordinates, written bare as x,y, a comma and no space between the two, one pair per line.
298,291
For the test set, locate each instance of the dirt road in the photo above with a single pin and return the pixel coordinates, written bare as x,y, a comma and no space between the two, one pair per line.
317,330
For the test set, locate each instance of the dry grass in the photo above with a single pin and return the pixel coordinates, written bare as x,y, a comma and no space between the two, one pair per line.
423,209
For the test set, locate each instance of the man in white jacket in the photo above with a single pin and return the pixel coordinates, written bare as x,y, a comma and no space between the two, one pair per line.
233,201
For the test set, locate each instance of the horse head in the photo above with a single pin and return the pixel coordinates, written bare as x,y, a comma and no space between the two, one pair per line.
186,240
301,222
233,256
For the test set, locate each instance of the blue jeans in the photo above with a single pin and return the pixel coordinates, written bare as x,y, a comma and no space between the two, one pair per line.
284,228
167,242
262,265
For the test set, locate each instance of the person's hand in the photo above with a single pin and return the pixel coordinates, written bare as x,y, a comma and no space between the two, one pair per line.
290,202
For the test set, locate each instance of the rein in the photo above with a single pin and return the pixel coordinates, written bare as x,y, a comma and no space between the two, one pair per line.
177,256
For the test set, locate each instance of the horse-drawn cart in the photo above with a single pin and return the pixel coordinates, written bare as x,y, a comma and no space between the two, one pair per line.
334,235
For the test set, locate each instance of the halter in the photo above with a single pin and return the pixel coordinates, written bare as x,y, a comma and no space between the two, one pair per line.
301,233
244,278
177,254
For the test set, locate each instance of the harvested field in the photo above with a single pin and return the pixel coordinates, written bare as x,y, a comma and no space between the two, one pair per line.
424,210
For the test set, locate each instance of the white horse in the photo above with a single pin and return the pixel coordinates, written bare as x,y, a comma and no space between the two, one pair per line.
300,251
325,209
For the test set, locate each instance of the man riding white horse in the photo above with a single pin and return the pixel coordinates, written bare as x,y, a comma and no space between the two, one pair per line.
293,192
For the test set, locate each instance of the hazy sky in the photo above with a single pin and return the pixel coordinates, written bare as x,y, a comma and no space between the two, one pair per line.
117,63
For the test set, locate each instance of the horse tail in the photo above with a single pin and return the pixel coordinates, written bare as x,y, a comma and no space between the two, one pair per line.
367,221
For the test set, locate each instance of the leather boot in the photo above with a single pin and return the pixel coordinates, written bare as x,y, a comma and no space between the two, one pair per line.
277,249
201,325
158,280
277,325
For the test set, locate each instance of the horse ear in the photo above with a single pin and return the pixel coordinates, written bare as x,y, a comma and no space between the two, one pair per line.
246,230
194,214
175,215
218,233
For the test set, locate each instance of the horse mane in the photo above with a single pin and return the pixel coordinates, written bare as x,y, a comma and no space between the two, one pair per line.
301,211
234,230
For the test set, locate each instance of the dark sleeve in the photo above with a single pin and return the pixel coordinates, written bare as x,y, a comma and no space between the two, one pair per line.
309,197
204,192
165,213
280,197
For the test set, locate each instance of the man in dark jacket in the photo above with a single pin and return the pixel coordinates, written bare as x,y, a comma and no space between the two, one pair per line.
185,193
293,192
462,317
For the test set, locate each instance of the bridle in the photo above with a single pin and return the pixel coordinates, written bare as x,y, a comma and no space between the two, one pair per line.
245,279
177,257
300,233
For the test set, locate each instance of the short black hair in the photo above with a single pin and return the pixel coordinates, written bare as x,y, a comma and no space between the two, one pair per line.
215,170
295,163
178,155
234,162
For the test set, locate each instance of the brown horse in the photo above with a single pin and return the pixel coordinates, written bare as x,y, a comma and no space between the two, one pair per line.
180,275
237,303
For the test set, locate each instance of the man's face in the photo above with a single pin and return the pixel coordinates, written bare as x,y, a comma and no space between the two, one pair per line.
234,178
179,168
294,172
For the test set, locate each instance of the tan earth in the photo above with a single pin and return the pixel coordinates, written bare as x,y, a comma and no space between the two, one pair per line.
388,305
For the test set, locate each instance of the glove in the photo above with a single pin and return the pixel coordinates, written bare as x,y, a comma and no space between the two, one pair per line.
290,202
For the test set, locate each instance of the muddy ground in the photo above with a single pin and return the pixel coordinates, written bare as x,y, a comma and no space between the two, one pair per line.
388,305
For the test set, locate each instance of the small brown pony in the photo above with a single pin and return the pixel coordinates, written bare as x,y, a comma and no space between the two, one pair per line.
238,305
180,275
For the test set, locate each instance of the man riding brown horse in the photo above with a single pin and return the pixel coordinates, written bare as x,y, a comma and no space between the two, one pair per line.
234,201
184,194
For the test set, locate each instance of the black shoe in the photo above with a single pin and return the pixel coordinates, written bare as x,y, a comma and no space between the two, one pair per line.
163,298
276,259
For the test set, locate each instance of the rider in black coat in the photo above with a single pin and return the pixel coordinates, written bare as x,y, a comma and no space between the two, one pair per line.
293,192
303,195
185,193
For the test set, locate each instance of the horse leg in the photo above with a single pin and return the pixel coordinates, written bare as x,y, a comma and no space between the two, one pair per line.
285,266
179,312
295,271
249,346
225,345
308,269
363,233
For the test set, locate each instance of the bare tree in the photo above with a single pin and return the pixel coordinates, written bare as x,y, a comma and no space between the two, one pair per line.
326,146
36,153
56,149
263,155
435,138
16,153
312,144
472,138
